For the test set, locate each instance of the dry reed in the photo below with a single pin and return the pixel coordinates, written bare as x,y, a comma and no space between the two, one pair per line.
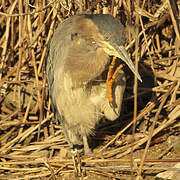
32,145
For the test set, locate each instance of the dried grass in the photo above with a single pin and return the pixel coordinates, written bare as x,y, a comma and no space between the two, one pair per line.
31,144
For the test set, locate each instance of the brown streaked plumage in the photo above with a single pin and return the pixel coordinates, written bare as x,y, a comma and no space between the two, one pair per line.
77,60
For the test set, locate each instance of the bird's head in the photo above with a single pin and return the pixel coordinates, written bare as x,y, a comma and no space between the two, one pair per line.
108,33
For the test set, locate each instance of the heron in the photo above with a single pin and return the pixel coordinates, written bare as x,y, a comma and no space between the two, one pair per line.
79,54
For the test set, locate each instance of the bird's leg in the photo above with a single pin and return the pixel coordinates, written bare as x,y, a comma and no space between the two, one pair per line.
77,162
87,150
116,72
111,77
110,80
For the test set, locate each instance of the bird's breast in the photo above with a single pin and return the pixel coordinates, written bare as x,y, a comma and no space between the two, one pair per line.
84,65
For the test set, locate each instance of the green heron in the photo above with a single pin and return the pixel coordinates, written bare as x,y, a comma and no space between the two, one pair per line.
77,60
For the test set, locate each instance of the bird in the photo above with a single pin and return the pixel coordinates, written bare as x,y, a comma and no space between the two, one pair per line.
78,56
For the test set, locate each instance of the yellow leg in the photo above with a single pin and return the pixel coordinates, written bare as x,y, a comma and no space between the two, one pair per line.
111,77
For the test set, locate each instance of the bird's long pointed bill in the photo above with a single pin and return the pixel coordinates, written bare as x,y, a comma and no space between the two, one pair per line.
120,52
125,57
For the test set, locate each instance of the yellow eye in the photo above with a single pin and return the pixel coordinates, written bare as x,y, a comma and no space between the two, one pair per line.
107,37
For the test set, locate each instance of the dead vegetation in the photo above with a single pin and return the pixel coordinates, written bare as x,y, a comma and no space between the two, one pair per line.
32,145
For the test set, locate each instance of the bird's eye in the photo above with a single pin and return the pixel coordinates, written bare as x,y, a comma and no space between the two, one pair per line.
107,37
74,36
